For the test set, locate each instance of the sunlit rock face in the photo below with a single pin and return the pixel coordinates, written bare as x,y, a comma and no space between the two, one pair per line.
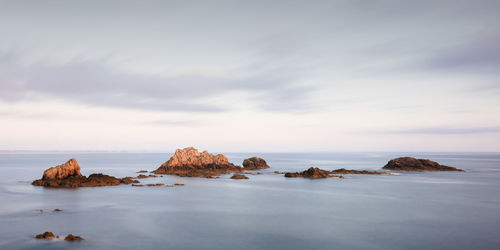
191,163
70,168
68,175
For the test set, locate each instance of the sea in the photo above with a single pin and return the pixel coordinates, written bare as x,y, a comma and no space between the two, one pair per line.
405,210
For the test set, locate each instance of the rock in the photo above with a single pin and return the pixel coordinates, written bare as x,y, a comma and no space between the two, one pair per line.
141,176
57,210
46,236
351,171
239,176
155,185
137,185
189,162
142,171
68,175
178,184
413,164
254,163
312,172
71,237
70,168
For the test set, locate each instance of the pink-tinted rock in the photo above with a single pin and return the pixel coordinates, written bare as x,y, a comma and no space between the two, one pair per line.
190,162
70,168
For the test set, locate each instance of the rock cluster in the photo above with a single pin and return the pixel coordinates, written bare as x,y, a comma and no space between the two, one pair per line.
254,163
191,163
413,164
50,236
68,175
312,172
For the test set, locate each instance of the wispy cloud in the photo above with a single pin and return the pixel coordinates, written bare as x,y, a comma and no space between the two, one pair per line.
441,131
92,83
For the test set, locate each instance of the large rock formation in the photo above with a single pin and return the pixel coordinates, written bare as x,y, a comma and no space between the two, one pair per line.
312,172
70,168
254,163
191,163
413,164
68,175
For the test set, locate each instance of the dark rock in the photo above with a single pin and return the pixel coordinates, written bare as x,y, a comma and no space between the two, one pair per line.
141,176
71,237
239,177
189,162
46,236
413,164
57,210
178,184
142,171
351,171
254,163
312,172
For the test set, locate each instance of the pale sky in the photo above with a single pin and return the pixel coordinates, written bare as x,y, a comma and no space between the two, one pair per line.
258,76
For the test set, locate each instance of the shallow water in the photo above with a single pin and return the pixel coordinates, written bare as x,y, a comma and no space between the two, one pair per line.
444,210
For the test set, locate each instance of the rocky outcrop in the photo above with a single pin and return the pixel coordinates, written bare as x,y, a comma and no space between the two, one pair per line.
189,162
254,163
70,168
239,177
420,165
312,172
351,171
45,236
68,175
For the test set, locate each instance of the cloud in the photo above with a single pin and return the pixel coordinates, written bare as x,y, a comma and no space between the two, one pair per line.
441,131
478,54
93,83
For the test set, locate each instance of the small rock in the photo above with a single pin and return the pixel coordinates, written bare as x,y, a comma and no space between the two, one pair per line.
71,237
46,236
239,177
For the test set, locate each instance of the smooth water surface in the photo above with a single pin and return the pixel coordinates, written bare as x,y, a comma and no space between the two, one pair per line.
442,210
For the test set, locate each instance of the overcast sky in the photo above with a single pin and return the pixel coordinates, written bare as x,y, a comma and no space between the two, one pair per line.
254,76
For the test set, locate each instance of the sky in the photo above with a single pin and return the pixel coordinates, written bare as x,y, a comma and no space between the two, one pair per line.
250,76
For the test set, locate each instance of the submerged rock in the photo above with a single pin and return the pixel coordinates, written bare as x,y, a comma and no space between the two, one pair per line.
71,237
254,163
413,164
239,176
352,171
312,172
189,162
45,236
68,175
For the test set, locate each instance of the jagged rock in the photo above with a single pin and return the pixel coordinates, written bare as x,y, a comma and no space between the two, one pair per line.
351,171
71,237
254,163
46,236
413,164
68,175
239,177
189,162
70,168
312,172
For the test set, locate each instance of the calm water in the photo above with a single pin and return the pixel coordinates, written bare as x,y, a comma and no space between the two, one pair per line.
407,211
